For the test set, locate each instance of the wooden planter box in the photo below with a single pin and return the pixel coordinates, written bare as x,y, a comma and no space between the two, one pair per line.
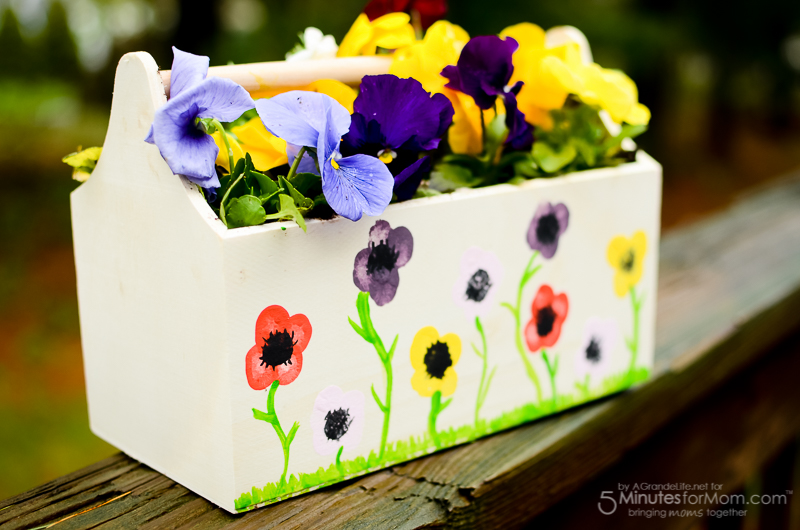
170,300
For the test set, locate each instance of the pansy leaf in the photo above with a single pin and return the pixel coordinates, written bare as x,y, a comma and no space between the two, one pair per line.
320,200
628,131
496,133
288,210
551,160
300,200
303,182
245,211
267,185
587,151
448,177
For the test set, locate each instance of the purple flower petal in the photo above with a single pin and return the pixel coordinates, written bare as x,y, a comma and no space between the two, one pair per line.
402,242
375,269
361,185
221,99
408,180
187,150
301,117
520,132
360,276
188,70
306,165
379,232
484,69
546,227
382,292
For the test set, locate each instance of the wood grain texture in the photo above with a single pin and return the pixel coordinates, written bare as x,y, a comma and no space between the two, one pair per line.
729,291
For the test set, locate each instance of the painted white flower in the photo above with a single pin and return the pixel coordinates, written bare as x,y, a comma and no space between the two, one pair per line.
480,276
337,420
599,339
313,45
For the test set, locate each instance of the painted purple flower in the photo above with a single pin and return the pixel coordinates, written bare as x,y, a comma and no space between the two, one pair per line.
352,185
549,222
483,71
396,120
176,130
376,267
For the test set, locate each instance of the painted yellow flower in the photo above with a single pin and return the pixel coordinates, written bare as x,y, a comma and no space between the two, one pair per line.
626,256
266,151
390,32
434,358
424,60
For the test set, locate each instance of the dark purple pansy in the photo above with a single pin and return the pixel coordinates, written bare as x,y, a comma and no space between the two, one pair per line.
396,120
483,71
548,223
376,267
187,149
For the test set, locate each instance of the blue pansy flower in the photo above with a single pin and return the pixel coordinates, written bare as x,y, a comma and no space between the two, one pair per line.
353,185
396,120
183,143
483,71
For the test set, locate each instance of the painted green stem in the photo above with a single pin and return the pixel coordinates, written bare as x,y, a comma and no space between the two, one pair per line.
339,461
552,369
368,333
436,407
516,312
483,388
272,418
633,342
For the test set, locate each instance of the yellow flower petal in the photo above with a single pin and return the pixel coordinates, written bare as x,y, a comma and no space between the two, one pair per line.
222,156
526,34
266,151
638,115
424,60
357,37
390,31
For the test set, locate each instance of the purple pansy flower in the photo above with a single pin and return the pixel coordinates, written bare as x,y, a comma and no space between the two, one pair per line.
376,267
549,222
396,119
187,149
483,71
352,185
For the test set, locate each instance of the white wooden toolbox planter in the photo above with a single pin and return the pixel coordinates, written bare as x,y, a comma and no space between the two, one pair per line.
177,311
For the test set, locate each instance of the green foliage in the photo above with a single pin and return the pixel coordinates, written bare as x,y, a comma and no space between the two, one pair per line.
250,198
404,450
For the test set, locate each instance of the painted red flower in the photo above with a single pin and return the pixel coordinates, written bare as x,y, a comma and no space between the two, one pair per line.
278,353
549,312
429,10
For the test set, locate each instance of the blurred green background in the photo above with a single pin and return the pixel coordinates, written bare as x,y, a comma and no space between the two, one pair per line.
722,81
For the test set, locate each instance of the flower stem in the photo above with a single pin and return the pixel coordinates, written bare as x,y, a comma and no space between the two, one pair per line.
339,461
483,388
367,331
633,344
436,407
515,311
483,131
552,368
272,418
296,163
224,135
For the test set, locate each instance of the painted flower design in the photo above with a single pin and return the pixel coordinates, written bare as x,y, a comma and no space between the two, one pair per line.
337,420
396,120
599,340
376,268
177,130
626,256
353,185
480,275
278,352
483,71
549,310
433,359
547,225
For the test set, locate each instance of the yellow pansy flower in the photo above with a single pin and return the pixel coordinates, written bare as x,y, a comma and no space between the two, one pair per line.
433,359
614,92
336,89
390,32
222,156
626,256
266,151
83,162
465,134
424,60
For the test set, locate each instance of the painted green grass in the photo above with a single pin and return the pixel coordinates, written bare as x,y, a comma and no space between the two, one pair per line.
414,447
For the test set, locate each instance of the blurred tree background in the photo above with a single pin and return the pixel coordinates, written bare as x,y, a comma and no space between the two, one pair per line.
722,81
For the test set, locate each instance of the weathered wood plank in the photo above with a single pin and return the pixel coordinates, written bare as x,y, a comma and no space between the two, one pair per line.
729,290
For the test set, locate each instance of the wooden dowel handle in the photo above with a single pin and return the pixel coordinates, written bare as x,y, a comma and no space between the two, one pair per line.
276,74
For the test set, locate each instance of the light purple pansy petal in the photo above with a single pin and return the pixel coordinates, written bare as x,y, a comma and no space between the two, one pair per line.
376,268
402,242
186,150
301,117
360,276
379,232
383,292
547,225
306,165
361,185
221,99
149,138
188,70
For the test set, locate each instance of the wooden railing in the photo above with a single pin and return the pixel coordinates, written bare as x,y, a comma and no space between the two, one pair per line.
723,403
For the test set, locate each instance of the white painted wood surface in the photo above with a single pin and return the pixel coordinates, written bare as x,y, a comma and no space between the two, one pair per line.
169,300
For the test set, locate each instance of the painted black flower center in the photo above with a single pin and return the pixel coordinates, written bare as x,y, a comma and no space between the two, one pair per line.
437,359
547,228
545,319
593,351
381,256
627,261
336,423
478,285
277,349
